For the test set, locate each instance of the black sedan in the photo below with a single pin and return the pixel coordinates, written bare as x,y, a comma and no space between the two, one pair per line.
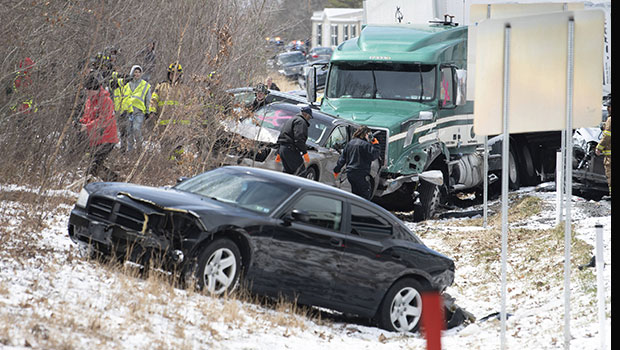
282,234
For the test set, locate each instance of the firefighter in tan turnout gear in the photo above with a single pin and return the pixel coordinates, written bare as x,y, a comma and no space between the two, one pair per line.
165,102
168,93
604,147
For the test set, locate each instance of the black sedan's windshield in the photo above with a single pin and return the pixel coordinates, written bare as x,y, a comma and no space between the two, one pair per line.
393,81
240,189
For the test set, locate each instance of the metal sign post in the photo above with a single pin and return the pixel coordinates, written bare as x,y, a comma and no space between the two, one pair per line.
485,189
505,157
600,285
551,80
568,184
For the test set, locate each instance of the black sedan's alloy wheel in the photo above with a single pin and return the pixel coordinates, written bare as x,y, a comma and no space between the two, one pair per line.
218,267
401,310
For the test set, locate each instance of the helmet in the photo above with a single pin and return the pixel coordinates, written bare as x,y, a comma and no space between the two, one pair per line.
261,88
175,66
101,61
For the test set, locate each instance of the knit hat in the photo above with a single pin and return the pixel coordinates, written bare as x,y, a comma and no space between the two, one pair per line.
134,68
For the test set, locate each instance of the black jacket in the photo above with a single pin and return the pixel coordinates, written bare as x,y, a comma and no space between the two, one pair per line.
295,132
358,155
256,104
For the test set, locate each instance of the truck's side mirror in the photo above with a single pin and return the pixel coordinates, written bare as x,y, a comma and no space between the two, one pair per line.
311,84
425,115
461,87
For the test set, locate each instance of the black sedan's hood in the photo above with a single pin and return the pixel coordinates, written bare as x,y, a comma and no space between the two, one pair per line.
158,196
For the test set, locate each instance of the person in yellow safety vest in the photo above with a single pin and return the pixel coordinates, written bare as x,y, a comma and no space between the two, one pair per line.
604,146
136,95
168,93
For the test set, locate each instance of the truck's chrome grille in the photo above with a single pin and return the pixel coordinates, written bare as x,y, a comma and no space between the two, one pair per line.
382,137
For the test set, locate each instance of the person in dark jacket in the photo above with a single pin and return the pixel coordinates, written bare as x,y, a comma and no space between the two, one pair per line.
292,150
358,156
262,98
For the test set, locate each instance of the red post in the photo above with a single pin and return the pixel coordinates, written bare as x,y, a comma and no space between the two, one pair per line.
432,319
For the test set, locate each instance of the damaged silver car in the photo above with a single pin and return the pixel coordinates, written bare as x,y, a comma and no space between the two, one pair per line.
252,142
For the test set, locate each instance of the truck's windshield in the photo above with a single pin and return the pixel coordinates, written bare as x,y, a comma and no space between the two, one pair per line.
389,81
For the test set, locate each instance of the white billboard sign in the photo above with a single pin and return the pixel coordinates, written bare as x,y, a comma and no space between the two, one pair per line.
538,72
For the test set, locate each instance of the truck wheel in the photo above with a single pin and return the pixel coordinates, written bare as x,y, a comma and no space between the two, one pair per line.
526,164
430,199
513,172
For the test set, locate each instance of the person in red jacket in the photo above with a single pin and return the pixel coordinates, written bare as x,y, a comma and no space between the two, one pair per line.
100,124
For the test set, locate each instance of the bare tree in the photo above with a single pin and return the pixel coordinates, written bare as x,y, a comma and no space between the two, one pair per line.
220,44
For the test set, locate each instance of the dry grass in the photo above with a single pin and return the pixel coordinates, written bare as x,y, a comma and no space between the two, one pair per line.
538,248
284,84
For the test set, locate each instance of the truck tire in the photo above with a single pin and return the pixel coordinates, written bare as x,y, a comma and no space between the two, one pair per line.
526,165
430,199
514,181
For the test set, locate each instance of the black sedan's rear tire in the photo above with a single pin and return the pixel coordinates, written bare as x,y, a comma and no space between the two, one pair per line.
219,267
401,309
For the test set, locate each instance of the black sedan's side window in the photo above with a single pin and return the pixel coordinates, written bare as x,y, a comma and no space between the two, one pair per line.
367,224
324,212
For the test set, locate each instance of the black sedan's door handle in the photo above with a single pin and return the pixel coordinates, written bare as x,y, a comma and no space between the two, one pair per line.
336,242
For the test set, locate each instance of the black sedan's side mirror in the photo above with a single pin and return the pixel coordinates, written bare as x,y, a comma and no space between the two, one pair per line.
300,215
296,215
181,179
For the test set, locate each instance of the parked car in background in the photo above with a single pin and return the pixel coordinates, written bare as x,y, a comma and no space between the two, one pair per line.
319,53
279,234
290,64
321,74
257,142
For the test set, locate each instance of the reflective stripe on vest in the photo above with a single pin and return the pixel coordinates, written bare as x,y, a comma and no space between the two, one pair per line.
117,94
135,98
174,121
168,103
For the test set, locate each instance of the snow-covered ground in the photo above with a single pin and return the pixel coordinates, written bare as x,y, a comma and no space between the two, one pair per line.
50,298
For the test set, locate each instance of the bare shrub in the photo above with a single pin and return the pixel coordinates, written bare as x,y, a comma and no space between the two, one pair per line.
44,146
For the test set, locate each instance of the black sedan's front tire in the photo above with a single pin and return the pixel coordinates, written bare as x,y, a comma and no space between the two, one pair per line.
219,267
401,309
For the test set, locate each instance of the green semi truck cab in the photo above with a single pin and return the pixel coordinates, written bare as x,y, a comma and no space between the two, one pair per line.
407,82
